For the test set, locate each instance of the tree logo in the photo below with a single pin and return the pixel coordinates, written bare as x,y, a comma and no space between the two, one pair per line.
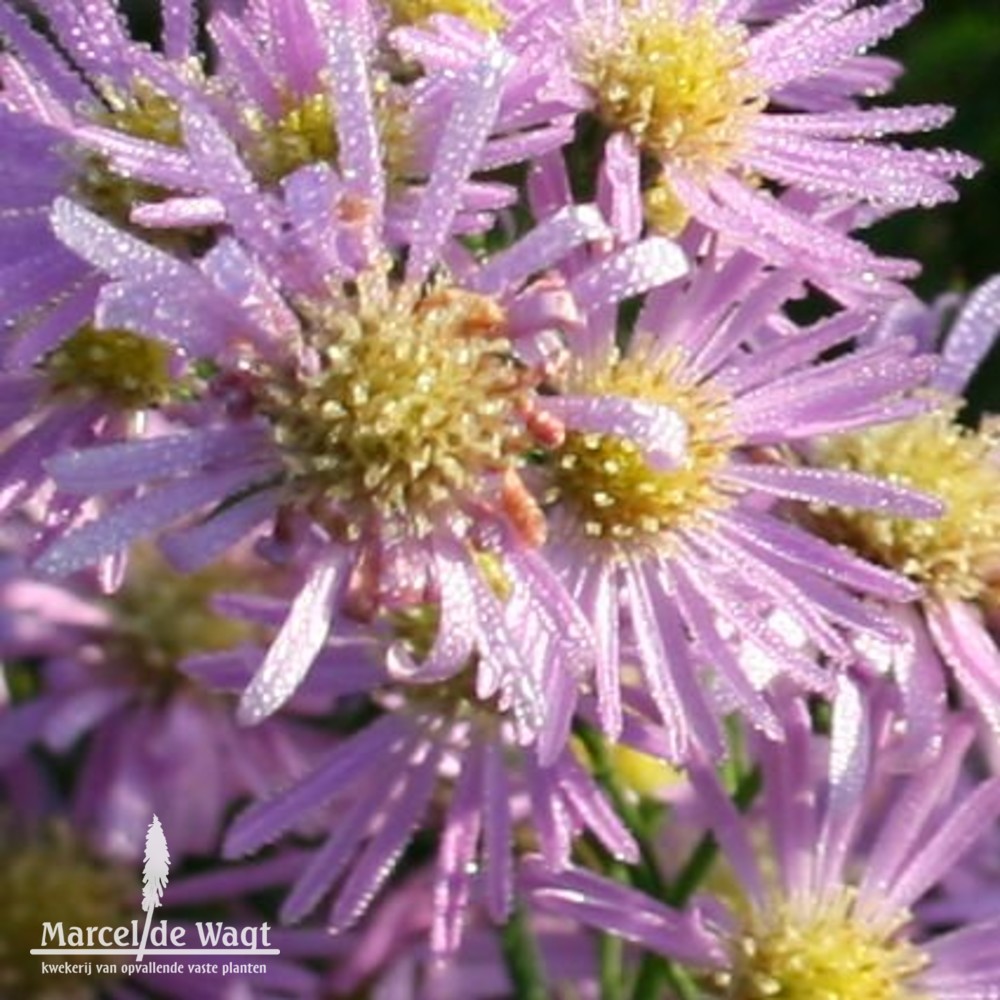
155,872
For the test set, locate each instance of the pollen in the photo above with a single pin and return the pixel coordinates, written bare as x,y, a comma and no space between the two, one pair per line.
410,400
116,367
143,112
676,80
50,877
306,133
955,556
480,14
605,482
825,951
160,616
663,210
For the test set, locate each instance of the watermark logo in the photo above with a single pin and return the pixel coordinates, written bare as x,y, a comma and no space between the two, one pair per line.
160,937
155,872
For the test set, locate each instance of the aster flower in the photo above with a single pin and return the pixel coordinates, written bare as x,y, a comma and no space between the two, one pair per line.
387,956
692,572
79,120
446,760
955,559
287,106
94,118
827,908
100,121
704,95
378,423
108,672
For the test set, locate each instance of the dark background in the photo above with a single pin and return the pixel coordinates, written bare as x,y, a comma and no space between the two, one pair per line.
952,56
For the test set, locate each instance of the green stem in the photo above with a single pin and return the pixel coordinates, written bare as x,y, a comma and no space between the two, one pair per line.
659,978
523,961
612,949
703,856
654,970
648,876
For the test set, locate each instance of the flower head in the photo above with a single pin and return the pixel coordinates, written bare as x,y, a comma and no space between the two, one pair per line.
109,687
448,760
826,907
736,118
691,571
956,558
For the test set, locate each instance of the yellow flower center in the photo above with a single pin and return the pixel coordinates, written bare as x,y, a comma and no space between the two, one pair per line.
606,481
51,878
413,400
825,952
143,113
480,14
160,616
114,366
306,133
957,555
676,81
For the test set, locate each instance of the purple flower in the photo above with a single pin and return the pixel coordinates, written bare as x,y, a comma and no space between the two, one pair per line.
826,908
432,743
718,100
378,423
93,116
389,957
109,674
956,559
692,573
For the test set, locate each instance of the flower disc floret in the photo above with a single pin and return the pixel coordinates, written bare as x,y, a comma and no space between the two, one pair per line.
116,367
827,950
608,484
410,400
305,133
482,14
141,113
47,878
676,82
160,616
957,555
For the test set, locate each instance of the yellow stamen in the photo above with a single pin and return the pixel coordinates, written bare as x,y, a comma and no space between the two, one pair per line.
822,951
957,555
606,482
677,82
664,211
414,400
306,133
480,14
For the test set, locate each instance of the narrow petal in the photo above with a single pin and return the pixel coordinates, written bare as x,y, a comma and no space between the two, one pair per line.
298,642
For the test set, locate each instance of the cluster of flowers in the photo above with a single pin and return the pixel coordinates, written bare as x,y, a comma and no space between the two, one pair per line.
463,450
